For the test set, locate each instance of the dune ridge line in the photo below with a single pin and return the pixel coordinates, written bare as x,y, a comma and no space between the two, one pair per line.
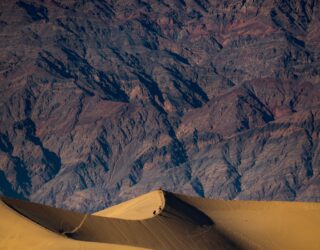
180,222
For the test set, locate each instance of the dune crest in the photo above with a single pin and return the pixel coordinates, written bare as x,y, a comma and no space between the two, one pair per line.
163,220
18,232
140,208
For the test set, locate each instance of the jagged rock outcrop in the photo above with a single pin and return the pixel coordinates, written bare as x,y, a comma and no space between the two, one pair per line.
105,100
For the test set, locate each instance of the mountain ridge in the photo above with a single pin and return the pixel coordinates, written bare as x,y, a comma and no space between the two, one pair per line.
102,101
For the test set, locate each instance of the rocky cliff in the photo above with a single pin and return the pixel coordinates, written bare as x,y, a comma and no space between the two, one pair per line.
103,100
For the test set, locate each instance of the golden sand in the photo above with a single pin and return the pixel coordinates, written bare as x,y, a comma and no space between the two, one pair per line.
18,233
162,220
139,208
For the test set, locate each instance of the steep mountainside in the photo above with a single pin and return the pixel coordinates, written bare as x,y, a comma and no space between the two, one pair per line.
103,100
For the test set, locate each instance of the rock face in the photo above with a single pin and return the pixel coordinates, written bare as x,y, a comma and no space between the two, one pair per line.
103,100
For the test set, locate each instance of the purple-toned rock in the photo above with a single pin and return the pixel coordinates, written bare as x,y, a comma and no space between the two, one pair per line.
101,101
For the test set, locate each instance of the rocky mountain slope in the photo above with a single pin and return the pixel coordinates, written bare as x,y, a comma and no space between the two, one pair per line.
103,100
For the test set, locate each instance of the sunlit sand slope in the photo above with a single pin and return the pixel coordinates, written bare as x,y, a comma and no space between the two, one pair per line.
139,208
264,224
162,220
171,224
19,233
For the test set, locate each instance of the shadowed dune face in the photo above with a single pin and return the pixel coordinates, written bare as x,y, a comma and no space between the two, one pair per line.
19,232
177,225
264,224
179,222
193,214
56,220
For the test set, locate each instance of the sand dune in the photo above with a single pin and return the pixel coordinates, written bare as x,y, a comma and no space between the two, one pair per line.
264,224
18,232
162,220
139,208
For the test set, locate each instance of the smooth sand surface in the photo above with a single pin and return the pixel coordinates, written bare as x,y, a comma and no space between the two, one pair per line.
18,233
264,224
175,226
139,208
179,222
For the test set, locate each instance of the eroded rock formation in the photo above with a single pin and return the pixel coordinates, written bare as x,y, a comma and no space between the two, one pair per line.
103,100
